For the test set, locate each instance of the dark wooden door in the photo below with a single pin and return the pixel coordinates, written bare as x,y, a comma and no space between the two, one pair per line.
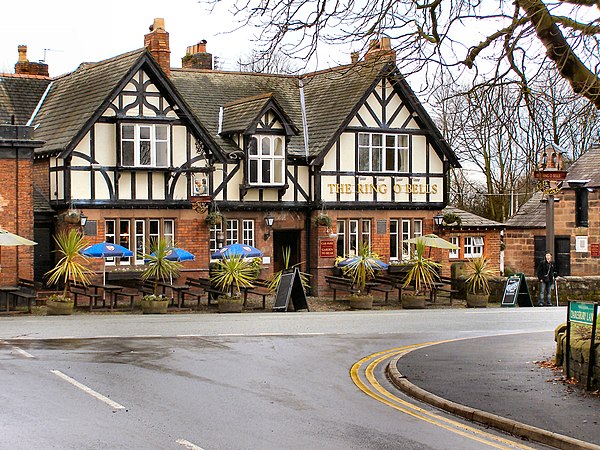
285,239
562,256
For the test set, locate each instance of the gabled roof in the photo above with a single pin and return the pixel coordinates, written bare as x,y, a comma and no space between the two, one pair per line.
470,220
332,97
76,100
532,214
243,115
587,167
19,96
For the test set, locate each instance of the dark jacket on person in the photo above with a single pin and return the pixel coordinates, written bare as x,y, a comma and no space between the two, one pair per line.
546,271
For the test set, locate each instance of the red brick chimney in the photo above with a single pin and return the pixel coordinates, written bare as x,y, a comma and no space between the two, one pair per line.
381,49
157,41
197,58
24,67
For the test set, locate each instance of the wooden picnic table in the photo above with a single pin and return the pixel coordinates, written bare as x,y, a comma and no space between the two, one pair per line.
5,291
111,290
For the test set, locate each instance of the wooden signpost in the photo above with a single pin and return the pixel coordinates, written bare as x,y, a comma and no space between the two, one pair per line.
290,287
516,291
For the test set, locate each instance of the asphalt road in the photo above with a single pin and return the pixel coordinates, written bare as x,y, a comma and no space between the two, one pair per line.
268,381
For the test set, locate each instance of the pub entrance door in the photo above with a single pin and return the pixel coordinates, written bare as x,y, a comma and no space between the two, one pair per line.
281,240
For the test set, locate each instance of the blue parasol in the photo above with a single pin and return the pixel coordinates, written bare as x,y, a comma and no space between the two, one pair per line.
375,264
179,254
106,250
243,250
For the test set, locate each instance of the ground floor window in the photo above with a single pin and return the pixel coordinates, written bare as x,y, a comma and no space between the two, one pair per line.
453,253
351,234
401,230
136,235
236,231
473,247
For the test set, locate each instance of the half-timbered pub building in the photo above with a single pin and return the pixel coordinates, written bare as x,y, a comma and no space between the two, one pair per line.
146,150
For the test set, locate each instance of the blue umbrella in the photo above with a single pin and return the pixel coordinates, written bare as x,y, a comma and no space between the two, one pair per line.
179,254
246,251
106,250
375,264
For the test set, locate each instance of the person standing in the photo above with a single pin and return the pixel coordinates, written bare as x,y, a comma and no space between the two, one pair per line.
546,274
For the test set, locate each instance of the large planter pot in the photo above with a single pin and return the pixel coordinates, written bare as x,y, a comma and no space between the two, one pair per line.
57,308
412,301
230,304
477,300
358,301
150,306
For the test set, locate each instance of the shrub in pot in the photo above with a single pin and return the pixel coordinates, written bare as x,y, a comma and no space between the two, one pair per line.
477,282
70,268
158,268
361,268
422,275
230,275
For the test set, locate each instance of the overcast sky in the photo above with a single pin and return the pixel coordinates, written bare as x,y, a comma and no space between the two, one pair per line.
87,31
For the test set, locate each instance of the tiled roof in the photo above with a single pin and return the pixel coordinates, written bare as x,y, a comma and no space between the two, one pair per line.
587,167
468,219
532,214
238,116
75,98
330,98
19,96
40,203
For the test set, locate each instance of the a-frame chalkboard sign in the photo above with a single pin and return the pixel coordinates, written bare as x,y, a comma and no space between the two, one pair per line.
516,291
290,287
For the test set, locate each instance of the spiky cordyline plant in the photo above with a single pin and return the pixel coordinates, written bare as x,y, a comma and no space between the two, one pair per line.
478,275
423,273
361,268
72,266
233,273
274,282
158,267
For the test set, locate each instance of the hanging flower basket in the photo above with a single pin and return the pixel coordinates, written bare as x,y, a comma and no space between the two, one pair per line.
214,218
72,216
451,219
323,220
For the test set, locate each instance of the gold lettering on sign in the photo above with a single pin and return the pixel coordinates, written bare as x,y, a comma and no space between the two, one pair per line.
369,188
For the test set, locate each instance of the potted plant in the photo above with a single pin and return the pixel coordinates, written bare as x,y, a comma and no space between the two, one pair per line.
477,282
276,278
422,275
71,268
230,275
361,268
323,220
158,267
214,218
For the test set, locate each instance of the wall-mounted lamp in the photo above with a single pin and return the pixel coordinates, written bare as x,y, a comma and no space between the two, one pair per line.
269,219
220,238
438,220
82,219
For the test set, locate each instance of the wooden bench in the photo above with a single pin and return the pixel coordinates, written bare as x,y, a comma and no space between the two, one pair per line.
146,287
382,285
391,283
206,286
444,284
260,289
88,292
131,295
27,291
340,284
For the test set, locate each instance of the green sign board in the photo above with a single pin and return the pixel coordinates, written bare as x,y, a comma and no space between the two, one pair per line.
581,312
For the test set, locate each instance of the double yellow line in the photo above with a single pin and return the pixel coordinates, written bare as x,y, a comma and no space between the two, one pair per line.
373,389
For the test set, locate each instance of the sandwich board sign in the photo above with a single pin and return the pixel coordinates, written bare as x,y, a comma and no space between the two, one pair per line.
516,291
290,288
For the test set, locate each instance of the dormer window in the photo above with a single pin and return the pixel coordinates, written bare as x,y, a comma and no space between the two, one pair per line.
266,160
378,152
145,145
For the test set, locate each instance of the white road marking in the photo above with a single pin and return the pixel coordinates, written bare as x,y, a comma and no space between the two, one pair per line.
137,336
88,390
190,335
188,444
310,334
107,337
23,352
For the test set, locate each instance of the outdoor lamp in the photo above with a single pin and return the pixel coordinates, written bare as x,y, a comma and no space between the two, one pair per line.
83,219
269,219
438,219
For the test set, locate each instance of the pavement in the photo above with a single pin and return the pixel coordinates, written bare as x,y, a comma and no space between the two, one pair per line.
503,386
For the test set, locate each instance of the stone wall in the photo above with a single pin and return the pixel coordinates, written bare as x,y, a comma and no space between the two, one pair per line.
579,355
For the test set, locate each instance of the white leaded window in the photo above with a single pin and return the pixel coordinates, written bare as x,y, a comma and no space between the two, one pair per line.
232,233
214,231
453,254
266,160
473,246
359,233
248,232
405,237
145,145
140,241
109,236
169,231
341,238
378,152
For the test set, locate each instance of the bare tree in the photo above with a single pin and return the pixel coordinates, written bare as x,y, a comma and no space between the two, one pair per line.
259,62
489,41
